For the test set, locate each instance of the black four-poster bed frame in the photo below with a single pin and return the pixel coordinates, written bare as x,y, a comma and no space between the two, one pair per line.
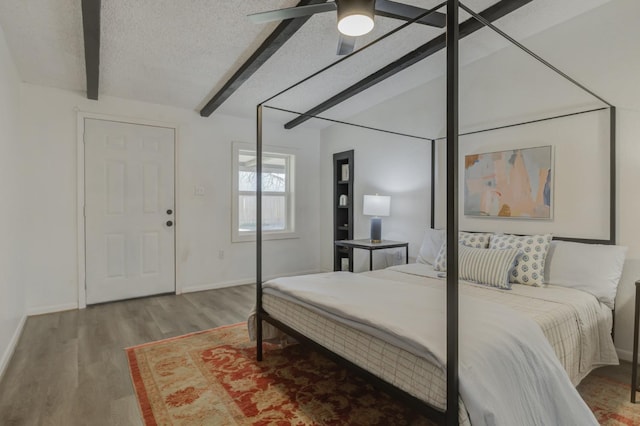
450,415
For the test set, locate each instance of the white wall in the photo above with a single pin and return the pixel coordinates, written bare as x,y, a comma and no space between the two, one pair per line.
580,149
12,223
598,49
385,164
604,54
203,224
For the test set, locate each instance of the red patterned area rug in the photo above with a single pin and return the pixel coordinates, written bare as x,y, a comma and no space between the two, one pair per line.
609,400
212,378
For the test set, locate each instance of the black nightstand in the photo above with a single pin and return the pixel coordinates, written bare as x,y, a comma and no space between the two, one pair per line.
634,360
368,245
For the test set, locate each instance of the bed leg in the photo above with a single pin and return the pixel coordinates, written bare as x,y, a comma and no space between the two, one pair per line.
258,337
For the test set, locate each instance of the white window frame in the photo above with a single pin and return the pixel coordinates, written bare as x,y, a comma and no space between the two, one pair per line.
290,155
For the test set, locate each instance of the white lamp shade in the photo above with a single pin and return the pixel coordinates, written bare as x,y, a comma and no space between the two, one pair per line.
376,205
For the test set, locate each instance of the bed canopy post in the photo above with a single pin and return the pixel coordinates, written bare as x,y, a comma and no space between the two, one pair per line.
452,212
259,233
433,185
612,176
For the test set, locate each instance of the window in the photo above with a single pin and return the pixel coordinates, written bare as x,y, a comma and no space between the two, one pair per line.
277,193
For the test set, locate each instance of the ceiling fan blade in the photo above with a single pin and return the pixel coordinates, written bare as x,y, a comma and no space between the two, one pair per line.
292,12
405,12
346,44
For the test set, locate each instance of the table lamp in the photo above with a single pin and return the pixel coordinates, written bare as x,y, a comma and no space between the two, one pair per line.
376,205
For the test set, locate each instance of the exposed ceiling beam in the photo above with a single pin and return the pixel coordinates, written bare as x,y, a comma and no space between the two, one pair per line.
406,12
492,13
91,28
276,39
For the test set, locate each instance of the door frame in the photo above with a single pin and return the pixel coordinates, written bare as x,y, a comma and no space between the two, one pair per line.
80,161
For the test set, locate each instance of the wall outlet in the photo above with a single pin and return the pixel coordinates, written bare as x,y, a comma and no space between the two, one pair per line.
198,190
221,254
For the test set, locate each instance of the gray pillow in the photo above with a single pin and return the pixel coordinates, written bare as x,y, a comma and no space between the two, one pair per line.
468,239
487,266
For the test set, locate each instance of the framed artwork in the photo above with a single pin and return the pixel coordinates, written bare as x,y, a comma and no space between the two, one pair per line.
509,184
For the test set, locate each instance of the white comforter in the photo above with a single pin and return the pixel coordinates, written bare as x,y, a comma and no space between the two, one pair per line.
509,374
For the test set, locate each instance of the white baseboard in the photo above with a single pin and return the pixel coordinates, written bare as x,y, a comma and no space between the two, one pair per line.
8,353
223,284
40,310
624,354
213,286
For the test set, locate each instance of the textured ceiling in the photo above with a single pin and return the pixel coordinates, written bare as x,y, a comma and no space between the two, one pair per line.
181,52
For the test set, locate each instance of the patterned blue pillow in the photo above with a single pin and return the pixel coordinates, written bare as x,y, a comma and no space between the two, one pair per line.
529,269
440,263
474,239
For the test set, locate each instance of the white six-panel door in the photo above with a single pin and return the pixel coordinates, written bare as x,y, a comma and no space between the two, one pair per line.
129,210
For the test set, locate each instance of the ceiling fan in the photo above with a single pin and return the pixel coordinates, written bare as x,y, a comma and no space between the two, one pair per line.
355,17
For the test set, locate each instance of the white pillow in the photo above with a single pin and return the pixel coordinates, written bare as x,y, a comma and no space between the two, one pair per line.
593,268
487,266
431,243
529,268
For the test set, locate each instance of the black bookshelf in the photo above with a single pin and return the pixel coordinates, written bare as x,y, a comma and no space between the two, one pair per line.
342,211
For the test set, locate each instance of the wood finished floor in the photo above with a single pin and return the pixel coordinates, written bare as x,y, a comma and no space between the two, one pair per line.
70,368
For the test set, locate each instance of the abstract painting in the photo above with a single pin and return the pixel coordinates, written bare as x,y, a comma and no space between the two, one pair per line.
516,183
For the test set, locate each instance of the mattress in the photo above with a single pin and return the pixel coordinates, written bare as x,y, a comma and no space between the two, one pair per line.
575,324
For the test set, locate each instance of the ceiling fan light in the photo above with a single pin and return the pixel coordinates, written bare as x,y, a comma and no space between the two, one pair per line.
355,25
355,17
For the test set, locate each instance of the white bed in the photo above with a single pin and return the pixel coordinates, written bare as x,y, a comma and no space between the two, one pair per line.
374,336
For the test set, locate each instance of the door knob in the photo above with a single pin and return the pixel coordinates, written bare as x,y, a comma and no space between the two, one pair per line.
169,211
169,223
